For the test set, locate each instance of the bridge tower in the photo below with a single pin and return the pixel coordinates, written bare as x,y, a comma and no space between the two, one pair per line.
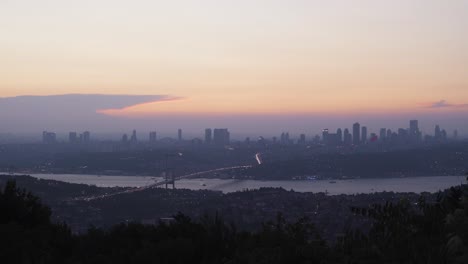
169,178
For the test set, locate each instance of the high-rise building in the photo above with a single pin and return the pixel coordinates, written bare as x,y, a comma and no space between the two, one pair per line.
86,137
208,136
389,134
221,136
443,134
133,138
124,138
402,134
339,135
72,137
285,138
383,134
302,139
49,137
179,134
152,136
414,129
414,133
332,139
364,135
325,134
356,133
455,134
347,137
437,133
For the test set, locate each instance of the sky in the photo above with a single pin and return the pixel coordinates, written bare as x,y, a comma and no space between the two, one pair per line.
256,60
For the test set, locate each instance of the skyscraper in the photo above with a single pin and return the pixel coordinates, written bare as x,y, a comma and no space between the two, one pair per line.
86,136
347,137
133,138
72,137
152,136
208,136
364,135
221,136
325,136
443,134
49,137
124,138
437,133
414,131
383,134
339,135
302,139
179,134
356,133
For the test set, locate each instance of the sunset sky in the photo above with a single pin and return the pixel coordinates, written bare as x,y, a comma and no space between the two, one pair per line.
243,56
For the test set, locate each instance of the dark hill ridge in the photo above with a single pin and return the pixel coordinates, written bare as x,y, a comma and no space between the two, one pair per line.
397,232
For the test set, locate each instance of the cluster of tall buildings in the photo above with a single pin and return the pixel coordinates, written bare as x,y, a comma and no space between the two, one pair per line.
217,136
73,137
221,136
360,136
49,137
84,137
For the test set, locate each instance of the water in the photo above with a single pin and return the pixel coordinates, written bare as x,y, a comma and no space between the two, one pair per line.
410,184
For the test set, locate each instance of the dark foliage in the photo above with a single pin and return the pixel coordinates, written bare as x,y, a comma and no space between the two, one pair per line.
401,233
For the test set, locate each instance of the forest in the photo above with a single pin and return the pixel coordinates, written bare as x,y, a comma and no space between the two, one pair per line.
435,232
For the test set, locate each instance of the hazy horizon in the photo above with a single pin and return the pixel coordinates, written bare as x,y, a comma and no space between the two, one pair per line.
80,112
253,66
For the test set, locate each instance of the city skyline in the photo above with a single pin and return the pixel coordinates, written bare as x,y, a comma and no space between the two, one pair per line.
359,135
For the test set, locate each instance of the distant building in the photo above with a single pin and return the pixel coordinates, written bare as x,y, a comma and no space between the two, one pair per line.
179,134
356,133
49,137
221,136
331,139
455,134
389,134
302,139
325,134
402,134
339,135
152,136
364,134
208,136
133,138
347,137
86,136
285,138
72,137
383,134
443,134
437,133
414,133
124,138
